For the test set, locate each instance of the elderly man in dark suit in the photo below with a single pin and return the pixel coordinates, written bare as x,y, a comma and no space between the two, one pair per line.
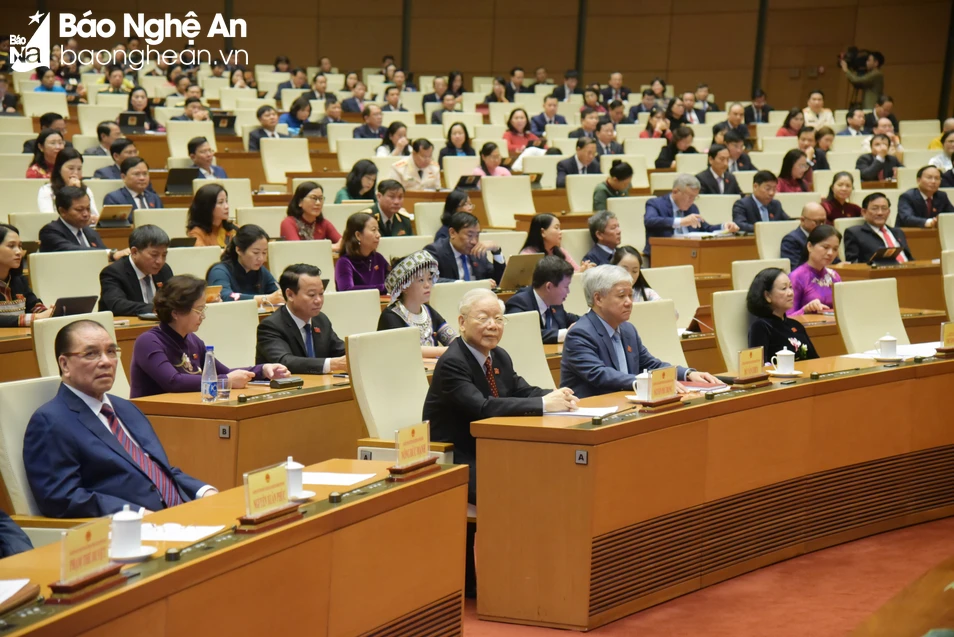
87,453
760,205
268,118
795,242
298,335
861,242
551,284
371,129
583,163
462,256
71,230
717,180
355,103
606,235
615,90
128,286
919,207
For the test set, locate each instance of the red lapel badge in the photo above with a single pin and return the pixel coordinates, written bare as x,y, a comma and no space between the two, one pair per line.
92,244
159,284
317,330
794,330
629,349
376,267
497,371
195,356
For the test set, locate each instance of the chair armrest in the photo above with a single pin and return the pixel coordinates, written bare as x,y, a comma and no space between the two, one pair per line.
39,522
440,447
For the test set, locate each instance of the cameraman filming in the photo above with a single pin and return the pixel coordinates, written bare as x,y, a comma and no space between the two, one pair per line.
871,82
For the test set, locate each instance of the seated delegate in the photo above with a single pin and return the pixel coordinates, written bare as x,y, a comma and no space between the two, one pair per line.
120,150
208,219
545,296
813,282
409,286
361,266
242,272
616,185
837,204
71,230
19,306
920,206
169,357
304,220
202,156
67,171
87,453
861,242
629,258
769,300
545,237
136,191
793,244
462,256
128,286
761,205
457,201
298,335
360,182
606,235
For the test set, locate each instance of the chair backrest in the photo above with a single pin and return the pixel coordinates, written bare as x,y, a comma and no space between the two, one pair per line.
44,336
239,191
523,340
387,401
821,179
768,237
330,185
949,289
579,191
36,104
731,318
30,223
57,275
679,284
660,183
391,247
178,135
576,243
778,144
456,167
20,399
172,220
509,241
338,213
630,211
195,260
90,116
445,297
505,197
282,254
231,329
12,143
638,163
16,124
947,266
843,161
102,187
743,272
656,324
92,163
353,312
470,121
716,209
691,163
575,302
269,218
284,155
427,217
841,225
351,150
648,148
546,165
338,132
919,127
846,143
768,161
945,226
228,96
866,311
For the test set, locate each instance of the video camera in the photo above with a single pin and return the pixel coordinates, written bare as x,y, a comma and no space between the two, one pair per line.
856,58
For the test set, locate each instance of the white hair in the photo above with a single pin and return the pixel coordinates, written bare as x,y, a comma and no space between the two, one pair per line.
473,296
601,279
686,182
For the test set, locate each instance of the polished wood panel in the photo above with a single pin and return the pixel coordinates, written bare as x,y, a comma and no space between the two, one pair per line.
705,255
920,283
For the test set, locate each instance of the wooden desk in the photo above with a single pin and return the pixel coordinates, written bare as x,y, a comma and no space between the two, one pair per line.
330,562
708,284
920,283
670,503
705,255
924,243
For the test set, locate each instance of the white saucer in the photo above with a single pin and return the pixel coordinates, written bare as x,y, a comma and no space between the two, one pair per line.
775,372
633,398
144,552
889,359
302,497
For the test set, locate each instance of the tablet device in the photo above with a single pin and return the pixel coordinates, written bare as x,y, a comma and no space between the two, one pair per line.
212,293
468,182
132,123
72,305
311,129
114,216
224,124
519,271
885,256
179,181
181,242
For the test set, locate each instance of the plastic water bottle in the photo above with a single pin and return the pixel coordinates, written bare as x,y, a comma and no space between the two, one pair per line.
209,376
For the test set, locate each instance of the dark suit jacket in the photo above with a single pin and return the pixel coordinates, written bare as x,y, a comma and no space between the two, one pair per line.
280,341
745,213
460,394
365,132
388,109
77,468
861,242
538,123
793,245
615,148
745,163
95,151
871,122
711,187
912,209
437,117
122,197
659,218
57,237
255,138
330,98
509,92
560,319
598,256
589,365
324,123
447,265
217,172
10,101
283,85
634,111
120,291
947,179
579,132
750,114
432,97
568,167
821,160
560,92
871,167
109,172
741,129
350,105
608,96
667,155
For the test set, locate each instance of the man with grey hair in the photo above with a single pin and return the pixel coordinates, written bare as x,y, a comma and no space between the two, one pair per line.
474,379
676,213
606,235
603,352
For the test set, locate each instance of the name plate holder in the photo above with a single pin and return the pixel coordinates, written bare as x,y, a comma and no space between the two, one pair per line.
414,458
266,500
85,569
751,370
946,348
662,391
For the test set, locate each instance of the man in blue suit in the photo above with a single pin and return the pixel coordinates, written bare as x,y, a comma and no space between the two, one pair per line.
119,150
795,242
676,214
538,123
760,205
606,235
201,154
136,191
551,284
87,453
603,352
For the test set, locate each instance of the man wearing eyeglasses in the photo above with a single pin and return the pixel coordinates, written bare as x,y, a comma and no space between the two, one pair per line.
793,244
474,379
87,453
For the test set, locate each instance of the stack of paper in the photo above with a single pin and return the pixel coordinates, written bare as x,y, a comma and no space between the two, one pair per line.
334,479
171,532
585,412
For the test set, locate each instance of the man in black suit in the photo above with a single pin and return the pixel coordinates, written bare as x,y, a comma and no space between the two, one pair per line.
615,90
551,284
734,122
584,163
538,123
107,133
861,242
440,88
136,192
693,115
120,150
128,286
392,97
879,164
570,79
738,158
71,230
794,243
371,128
758,111
268,118
702,99
645,106
474,379
717,180
298,335
319,90
48,120
606,235
606,143
463,256
760,205
617,114
332,116
883,107
355,103
299,79
448,105
589,118
515,85
919,207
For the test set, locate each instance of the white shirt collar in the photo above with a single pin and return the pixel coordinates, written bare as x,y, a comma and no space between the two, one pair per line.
717,177
298,322
542,306
139,273
94,404
70,226
606,249
477,355
134,195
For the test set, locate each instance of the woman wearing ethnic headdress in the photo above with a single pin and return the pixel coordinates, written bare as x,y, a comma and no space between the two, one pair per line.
409,285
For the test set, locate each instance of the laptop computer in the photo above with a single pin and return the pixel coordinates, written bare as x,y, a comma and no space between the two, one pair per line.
468,182
885,256
179,181
181,242
224,124
519,271
311,129
115,216
72,305
132,123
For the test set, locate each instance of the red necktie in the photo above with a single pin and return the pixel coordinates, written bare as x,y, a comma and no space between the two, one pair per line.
490,378
889,239
167,488
929,204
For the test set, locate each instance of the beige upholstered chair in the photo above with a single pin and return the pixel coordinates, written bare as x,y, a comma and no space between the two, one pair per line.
57,275
523,340
743,272
656,324
679,284
231,328
866,311
731,318
354,312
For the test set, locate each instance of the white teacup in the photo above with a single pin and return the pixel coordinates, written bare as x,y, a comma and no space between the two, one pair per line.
784,361
294,477
641,386
126,532
887,346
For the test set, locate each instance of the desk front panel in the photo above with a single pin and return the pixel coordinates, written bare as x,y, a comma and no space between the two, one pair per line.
920,284
705,255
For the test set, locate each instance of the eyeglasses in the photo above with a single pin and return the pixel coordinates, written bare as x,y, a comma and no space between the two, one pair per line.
200,312
93,355
317,199
482,321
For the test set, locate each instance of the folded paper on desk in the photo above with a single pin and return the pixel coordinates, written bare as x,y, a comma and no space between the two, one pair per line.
706,235
905,351
171,532
10,587
707,387
334,479
585,412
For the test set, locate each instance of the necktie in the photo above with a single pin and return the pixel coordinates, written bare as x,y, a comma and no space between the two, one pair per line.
721,185
386,227
582,170
758,116
465,268
733,166
142,201
490,377
890,241
763,212
548,320
929,205
167,488
147,294
82,238
620,354
309,340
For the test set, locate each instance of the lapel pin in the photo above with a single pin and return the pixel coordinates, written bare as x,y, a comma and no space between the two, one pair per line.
317,330
497,371
629,349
